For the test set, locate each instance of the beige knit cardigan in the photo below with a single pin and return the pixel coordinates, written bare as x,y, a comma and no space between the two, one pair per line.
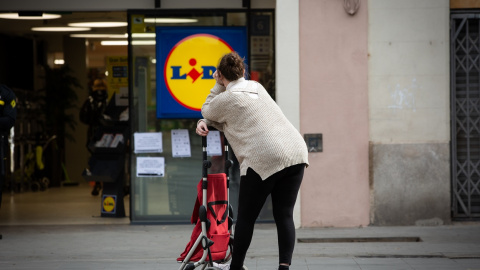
259,133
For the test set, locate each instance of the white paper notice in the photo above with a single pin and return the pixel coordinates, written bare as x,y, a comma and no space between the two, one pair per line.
149,142
181,143
121,98
150,166
214,144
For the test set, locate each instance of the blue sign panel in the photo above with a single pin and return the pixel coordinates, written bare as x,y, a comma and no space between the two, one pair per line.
186,60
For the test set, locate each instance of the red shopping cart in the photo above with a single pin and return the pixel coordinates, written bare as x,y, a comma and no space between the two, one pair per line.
212,237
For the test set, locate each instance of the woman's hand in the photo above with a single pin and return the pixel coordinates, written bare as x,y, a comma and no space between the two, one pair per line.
202,128
218,77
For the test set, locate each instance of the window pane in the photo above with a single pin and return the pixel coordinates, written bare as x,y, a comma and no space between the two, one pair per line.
171,198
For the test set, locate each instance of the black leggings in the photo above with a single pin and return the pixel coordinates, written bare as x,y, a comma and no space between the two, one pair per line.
283,186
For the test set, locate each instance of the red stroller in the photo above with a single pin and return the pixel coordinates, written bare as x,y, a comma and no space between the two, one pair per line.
212,237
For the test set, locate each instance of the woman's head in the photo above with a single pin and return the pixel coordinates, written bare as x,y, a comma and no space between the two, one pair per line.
231,66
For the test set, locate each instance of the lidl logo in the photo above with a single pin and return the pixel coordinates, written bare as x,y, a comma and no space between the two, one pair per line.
189,68
186,60
109,204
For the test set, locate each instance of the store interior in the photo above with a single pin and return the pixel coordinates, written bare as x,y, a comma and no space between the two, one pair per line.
31,50
61,193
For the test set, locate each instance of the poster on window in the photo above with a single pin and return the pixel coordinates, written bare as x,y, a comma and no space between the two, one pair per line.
181,143
117,68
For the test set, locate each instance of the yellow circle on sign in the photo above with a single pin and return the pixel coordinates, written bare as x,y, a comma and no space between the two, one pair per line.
108,204
189,68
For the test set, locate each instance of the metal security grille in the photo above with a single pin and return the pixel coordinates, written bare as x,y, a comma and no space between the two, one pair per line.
465,115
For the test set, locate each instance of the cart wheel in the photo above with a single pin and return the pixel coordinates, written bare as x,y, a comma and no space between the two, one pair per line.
189,266
45,181
34,186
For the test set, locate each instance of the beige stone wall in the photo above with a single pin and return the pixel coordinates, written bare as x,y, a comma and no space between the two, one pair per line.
408,45
409,111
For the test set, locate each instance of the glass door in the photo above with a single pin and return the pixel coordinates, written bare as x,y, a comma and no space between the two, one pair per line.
171,197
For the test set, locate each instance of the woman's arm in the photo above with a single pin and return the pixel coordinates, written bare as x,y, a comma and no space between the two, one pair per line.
214,108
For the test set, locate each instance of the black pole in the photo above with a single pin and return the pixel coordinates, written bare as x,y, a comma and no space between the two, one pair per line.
2,168
2,165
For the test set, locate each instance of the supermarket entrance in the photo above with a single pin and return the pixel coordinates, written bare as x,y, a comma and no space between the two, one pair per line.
155,38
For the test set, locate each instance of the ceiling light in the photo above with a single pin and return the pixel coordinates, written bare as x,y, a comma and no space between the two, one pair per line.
125,42
143,35
114,42
60,29
98,24
143,42
134,35
99,36
15,16
170,20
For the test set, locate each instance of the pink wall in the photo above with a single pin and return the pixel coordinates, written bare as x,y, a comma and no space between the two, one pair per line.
334,102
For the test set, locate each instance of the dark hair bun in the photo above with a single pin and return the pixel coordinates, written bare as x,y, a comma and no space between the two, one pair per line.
231,66
231,60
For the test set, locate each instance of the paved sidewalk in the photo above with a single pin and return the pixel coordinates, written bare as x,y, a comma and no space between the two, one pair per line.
157,246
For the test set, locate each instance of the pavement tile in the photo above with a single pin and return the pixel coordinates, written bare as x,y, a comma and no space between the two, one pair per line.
156,247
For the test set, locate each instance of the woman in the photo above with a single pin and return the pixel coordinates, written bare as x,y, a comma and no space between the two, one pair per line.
271,152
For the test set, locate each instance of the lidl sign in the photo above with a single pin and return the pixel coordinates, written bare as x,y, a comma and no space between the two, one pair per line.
186,60
109,204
